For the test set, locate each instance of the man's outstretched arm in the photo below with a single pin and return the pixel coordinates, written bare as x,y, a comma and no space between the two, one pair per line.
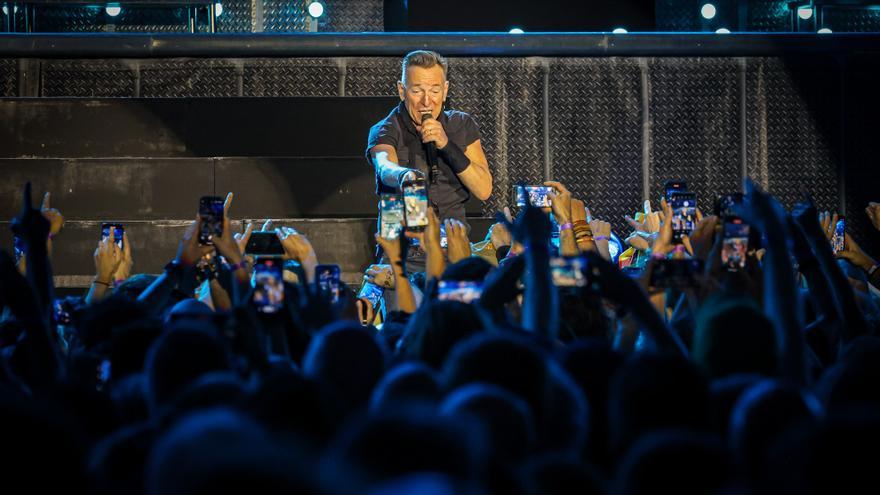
384,158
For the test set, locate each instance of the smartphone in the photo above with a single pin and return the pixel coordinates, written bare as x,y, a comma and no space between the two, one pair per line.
671,187
264,243
466,292
211,213
568,271
444,241
726,206
390,216
269,284
62,312
372,293
838,239
18,248
328,280
118,232
675,273
684,214
735,244
415,202
536,195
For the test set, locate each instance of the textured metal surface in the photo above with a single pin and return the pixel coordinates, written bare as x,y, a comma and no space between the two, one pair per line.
768,15
108,78
8,77
596,133
793,121
677,15
236,17
353,16
283,16
372,76
695,126
55,19
188,77
504,96
842,20
291,77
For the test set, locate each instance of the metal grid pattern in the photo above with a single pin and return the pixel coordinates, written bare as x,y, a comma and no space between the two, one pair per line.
50,18
283,16
768,15
372,76
596,133
353,16
677,15
8,77
236,17
793,115
89,78
291,77
695,126
505,97
188,77
851,20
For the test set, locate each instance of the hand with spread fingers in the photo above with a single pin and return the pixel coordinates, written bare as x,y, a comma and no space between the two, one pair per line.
108,258
381,275
458,246
124,270
560,202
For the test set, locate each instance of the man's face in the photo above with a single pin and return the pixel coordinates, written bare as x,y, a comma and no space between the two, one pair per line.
423,91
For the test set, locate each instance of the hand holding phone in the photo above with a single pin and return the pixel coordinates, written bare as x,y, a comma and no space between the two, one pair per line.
538,196
415,200
568,271
838,238
391,216
211,212
462,291
264,243
684,215
328,280
118,232
735,244
675,273
671,187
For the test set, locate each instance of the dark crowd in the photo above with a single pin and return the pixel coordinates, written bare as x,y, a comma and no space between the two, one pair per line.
676,362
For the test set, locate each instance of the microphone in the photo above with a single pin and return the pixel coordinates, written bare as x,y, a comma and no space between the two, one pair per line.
430,147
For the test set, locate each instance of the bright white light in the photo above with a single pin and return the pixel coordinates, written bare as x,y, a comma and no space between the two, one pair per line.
805,12
218,9
113,10
824,31
316,9
619,31
708,11
722,31
515,31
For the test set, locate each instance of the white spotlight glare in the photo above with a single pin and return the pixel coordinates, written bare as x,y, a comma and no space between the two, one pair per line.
824,31
218,9
805,12
515,31
113,10
619,31
722,31
708,11
316,9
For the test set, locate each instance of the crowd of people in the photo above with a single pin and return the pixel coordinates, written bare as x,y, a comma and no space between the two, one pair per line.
757,380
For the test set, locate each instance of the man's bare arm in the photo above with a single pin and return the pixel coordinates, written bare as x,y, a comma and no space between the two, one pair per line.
476,177
385,160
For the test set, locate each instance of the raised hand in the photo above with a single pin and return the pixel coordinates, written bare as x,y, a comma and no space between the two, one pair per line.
124,269
873,212
30,224
601,235
531,228
854,254
650,222
381,275
55,218
458,246
189,251
700,242
560,202
663,242
108,258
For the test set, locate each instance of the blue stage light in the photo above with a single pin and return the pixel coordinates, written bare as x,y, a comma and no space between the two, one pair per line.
113,9
218,9
708,11
805,12
824,31
316,9
515,31
619,31
722,31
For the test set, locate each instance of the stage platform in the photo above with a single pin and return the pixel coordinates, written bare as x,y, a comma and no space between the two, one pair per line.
136,127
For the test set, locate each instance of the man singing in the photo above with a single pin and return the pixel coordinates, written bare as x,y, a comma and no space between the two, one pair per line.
399,148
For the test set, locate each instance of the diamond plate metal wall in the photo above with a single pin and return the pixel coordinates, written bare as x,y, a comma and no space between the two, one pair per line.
283,16
354,16
188,77
768,15
54,19
695,126
108,78
596,133
8,77
504,95
851,20
291,77
793,121
236,17
677,15
372,76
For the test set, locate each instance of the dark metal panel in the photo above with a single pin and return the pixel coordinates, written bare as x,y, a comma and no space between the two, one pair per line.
284,16
291,77
236,17
188,77
353,16
182,127
595,133
372,76
87,78
299,187
8,77
768,15
450,44
793,126
851,19
117,188
504,96
695,127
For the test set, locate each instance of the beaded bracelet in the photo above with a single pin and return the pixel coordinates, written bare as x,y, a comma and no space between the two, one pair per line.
565,226
601,238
